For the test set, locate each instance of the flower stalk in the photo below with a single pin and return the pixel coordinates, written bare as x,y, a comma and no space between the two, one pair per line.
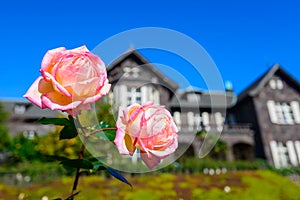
80,156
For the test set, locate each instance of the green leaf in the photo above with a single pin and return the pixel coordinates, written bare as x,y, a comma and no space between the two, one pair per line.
118,176
108,135
55,121
95,159
98,165
78,163
51,158
68,132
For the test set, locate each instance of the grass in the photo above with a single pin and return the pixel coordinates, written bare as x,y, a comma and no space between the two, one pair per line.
244,185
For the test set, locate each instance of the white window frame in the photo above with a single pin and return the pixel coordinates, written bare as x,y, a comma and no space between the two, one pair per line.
177,119
190,120
283,113
134,95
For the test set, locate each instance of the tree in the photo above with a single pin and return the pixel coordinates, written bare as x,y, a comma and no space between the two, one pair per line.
24,148
5,140
220,148
50,145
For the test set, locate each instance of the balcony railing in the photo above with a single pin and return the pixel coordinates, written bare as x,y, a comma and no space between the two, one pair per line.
228,128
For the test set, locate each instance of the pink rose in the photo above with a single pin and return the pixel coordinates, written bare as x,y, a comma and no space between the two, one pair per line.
149,128
70,81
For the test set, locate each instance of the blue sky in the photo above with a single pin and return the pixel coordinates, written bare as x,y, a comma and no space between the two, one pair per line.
244,38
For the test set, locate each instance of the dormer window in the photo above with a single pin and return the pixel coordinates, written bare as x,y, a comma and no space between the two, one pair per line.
19,109
128,71
192,97
29,134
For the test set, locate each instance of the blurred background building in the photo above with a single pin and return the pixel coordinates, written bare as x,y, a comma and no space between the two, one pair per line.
263,121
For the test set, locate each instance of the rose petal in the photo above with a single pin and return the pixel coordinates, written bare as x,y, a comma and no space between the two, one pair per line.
57,101
104,91
36,90
56,85
169,150
119,141
81,49
150,160
33,93
47,60
129,144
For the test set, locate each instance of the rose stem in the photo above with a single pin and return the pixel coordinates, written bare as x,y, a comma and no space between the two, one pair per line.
80,156
81,153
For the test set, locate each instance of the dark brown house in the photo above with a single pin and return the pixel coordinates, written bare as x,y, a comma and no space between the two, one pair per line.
135,80
271,106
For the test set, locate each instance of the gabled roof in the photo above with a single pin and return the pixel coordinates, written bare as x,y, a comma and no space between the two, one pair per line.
256,87
134,53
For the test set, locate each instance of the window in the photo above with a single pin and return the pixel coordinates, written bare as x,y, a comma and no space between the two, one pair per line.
192,97
197,120
219,118
219,121
193,120
190,120
284,113
128,71
272,84
296,111
19,109
297,148
29,134
285,154
205,121
276,84
279,84
134,96
149,93
177,119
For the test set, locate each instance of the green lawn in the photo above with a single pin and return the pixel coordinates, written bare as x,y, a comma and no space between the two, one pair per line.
240,185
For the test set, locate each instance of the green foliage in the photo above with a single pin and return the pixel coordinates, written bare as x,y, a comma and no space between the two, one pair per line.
270,186
285,171
247,185
108,135
51,144
24,149
69,131
220,148
5,140
104,112
195,165
55,121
